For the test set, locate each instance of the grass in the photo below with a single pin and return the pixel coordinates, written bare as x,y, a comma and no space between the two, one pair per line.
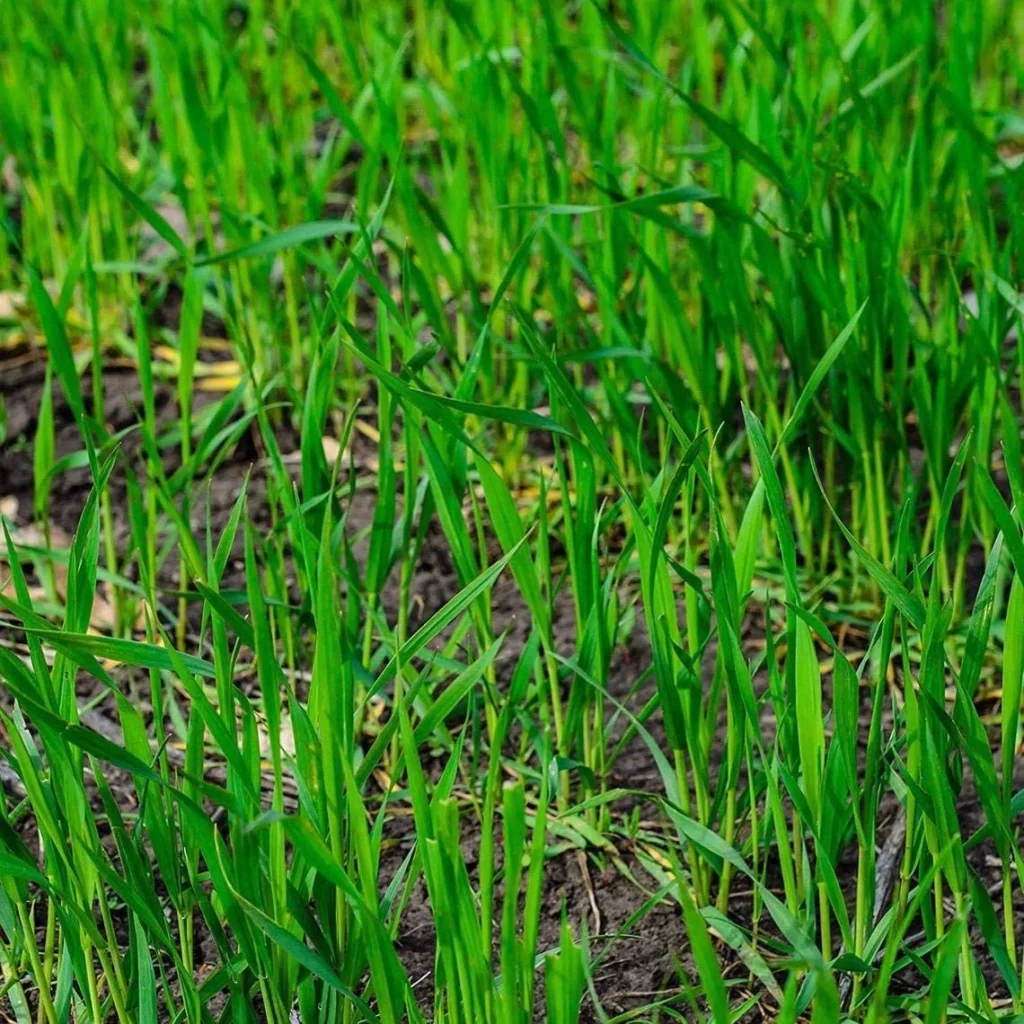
686,329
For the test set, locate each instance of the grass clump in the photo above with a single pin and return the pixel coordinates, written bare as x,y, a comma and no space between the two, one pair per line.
511,511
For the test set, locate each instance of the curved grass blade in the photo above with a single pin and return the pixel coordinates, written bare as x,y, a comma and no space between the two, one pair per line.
289,238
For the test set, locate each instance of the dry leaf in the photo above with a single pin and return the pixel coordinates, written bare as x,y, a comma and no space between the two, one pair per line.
217,384
221,368
287,738
10,303
9,174
368,431
332,449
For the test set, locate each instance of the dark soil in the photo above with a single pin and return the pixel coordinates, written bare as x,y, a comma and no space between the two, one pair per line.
649,959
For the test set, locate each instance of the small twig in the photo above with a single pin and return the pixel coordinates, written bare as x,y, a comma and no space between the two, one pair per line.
886,870
588,884
886,867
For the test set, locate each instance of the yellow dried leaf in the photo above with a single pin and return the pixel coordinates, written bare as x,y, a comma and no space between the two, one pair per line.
221,368
217,384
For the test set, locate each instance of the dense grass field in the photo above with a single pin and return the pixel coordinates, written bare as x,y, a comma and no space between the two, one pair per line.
510,511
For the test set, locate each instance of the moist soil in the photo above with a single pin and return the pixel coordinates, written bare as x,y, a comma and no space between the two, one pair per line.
642,955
